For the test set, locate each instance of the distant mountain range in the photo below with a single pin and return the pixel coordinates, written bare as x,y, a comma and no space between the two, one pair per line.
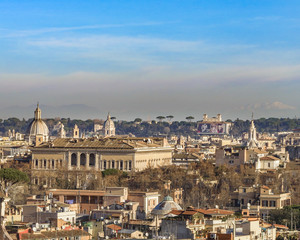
74,111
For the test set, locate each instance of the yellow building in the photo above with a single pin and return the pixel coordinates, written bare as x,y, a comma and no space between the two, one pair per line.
94,155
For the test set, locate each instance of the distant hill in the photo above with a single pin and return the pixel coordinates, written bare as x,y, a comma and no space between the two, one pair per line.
145,129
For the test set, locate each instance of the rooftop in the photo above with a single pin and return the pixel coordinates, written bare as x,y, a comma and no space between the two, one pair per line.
105,143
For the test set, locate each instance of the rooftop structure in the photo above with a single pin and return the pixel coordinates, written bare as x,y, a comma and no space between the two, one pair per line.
37,131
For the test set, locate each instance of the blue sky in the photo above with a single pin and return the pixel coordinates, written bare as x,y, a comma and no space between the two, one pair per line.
150,58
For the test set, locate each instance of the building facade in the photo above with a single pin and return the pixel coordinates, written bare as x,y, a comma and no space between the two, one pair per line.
95,155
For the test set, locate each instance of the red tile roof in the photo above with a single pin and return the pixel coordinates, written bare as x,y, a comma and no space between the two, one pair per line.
114,227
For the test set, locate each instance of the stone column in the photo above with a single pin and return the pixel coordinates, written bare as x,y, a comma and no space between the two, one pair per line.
69,160
97,167
87,160
78,160
100,162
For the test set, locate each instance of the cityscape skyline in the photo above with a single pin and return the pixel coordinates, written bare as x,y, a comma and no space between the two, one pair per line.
150,58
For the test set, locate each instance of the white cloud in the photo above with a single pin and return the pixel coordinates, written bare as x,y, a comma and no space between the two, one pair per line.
9,33
268,106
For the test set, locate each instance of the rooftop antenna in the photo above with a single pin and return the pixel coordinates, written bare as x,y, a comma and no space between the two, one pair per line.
252,116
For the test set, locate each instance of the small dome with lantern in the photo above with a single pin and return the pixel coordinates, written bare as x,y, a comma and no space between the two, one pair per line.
37,128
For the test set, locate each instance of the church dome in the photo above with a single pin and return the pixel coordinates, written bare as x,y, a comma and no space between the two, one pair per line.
165,206
37,127
109,124
109,127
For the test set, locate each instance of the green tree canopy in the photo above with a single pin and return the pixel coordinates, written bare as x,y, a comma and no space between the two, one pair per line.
10,177
138,120
190,118
170,117
160,118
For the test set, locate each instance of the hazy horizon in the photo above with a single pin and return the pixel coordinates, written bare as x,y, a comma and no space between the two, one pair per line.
83,112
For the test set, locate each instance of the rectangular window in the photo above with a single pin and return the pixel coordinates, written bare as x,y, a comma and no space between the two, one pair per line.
53,164
264,203
272,203
104,165
112,164
129,167
45,163
121,165
36,163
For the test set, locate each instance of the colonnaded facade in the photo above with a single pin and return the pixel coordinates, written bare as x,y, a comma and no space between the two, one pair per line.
94,155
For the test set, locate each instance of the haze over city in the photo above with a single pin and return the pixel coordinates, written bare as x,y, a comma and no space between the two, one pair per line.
82,59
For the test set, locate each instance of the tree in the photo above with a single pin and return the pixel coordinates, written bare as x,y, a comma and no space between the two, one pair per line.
170,117
167,130
160,118
189,118
10,177
137,120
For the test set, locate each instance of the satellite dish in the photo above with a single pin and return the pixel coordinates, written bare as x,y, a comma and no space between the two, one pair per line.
102,207
106,237
115,222
34,229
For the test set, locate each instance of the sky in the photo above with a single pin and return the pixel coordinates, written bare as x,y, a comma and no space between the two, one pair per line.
145,58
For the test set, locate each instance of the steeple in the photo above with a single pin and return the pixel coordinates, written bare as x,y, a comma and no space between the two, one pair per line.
75,131
62,133
37,113
109,127
252,141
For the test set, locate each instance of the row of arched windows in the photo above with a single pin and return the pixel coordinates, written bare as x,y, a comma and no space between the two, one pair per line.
82,159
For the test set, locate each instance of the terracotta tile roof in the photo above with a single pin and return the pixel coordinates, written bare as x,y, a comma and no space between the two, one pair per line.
114,227
214,211
252,219
185,156
265,187
53,234
103,143
267,225
176,212
258,151
280,226
189,213
140,222
269,158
